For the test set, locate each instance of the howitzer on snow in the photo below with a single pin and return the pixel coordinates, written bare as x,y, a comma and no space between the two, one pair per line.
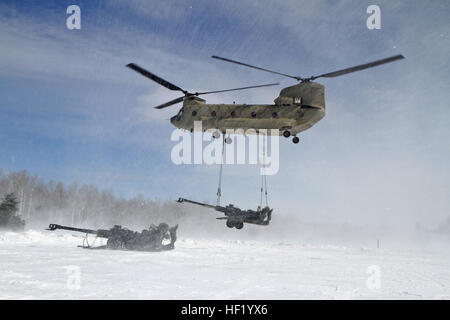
237,217
153,239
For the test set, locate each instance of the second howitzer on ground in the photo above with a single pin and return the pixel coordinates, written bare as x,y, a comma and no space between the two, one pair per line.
156,238
236,217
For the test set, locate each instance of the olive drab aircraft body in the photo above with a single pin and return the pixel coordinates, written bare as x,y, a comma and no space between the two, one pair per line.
296,109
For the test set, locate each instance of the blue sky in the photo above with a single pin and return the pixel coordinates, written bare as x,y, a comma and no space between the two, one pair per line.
72,112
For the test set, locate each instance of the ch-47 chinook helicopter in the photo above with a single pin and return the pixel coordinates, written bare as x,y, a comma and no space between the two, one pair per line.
296,109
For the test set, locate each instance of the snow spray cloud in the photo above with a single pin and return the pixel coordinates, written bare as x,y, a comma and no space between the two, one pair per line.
234,151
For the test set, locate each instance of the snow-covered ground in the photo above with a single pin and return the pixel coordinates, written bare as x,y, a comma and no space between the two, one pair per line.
43,265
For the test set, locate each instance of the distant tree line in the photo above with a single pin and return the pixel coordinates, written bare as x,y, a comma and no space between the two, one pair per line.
40,202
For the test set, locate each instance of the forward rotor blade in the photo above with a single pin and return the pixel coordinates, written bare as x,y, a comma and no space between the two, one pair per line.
358,68
180,99
154,77
172,102
254,67
251,87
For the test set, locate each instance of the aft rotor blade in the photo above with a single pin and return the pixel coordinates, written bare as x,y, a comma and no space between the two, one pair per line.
154,77
172,102
258,68
358,68
251,87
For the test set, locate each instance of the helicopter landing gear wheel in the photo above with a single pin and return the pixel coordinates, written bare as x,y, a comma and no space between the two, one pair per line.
230,224
216,134
228,140
286,134
295,140
239,225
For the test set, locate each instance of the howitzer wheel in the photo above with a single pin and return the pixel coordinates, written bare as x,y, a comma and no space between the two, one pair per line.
239,225
230,224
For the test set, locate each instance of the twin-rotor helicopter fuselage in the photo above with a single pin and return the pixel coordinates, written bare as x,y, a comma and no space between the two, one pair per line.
296,109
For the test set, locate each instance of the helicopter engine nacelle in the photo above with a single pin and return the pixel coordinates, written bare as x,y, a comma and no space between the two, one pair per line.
303,94
286,101
194,101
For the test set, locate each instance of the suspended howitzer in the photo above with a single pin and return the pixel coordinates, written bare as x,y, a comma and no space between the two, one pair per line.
122,238
235,216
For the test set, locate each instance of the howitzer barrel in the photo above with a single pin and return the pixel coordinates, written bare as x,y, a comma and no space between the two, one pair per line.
53,227
123,238
199,204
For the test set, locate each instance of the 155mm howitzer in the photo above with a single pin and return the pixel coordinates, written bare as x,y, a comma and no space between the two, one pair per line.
152,239
237,217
